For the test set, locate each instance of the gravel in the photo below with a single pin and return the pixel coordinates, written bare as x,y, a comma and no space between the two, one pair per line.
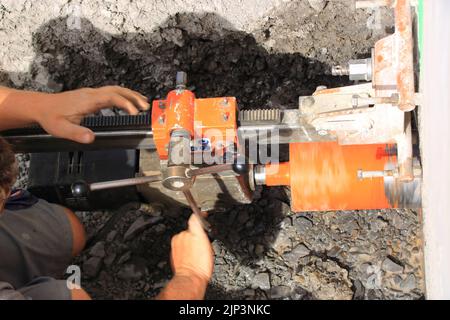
98,250
263,250
92,266
391,266
139,225
261,281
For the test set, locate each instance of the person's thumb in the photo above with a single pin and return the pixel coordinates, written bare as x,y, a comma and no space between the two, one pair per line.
195,226
67,130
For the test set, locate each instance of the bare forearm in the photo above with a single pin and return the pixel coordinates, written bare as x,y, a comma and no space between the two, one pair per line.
19,108
184,288
60,114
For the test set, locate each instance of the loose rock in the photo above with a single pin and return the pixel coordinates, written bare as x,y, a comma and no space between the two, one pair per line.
282,242
92,266
409,283
279,292
391,266
130,272
359,290
298,252
302,225
139,225
318,5
109,260
98,250
261,281
111,236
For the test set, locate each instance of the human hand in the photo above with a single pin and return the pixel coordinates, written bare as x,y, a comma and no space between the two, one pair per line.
192,255
61,114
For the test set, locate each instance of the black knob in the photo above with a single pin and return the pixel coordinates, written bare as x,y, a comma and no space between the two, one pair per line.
80,189
240,168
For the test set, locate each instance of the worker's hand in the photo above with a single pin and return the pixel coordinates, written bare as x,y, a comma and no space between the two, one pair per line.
60,114
192,254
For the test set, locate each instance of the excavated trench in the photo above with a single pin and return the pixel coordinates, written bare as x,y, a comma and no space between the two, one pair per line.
263,250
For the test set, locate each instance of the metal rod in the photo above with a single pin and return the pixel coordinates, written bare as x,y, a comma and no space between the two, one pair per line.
193,204
405,151
128,139
209,170
405,58
123,183
245,187
99,134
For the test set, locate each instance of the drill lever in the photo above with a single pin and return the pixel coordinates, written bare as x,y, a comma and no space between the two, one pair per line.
193,204
82,188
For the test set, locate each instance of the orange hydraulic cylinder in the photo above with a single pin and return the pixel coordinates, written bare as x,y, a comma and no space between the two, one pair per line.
176,112
278,174
324,176
180,111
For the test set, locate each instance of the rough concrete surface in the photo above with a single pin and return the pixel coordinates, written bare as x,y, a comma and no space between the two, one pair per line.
266,53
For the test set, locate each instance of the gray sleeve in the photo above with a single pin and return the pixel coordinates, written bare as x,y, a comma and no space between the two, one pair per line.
7,292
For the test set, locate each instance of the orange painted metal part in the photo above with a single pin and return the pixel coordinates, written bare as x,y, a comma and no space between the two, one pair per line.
180,111
213,119
404,44
393,65
278,174
324,176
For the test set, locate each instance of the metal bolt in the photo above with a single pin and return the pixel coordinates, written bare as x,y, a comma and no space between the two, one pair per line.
322,132
161,119
360,70
357,70
181,80
308,102
363,174
355,102
340,70
162,105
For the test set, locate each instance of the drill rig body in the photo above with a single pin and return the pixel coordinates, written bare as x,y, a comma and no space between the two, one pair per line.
350,148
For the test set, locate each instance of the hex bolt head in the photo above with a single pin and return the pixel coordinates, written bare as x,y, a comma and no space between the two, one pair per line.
181,79
360,70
